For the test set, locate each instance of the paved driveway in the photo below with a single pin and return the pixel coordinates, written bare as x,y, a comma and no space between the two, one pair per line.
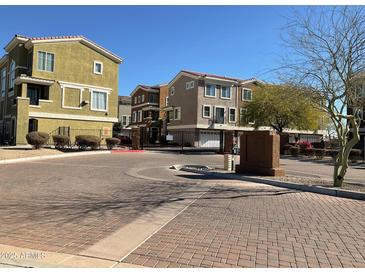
71,205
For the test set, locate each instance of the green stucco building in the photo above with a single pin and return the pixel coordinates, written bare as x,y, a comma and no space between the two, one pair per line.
50,84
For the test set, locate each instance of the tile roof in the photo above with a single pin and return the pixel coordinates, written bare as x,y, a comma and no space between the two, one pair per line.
202,74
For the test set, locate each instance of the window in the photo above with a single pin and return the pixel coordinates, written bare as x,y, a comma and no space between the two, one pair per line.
166,101
170,115
98,67
244,118
45,61
177,113
232,115
134,116
99,100
153,98
3,81
210,90
219,115
172,91
226,92
207,111
142,98
135,100
190,85
124,120
12,75
139,115
129,120
246,94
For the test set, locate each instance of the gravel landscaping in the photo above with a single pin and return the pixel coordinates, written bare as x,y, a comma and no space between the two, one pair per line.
319,182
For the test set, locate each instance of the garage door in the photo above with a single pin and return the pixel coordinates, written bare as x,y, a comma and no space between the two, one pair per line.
209,139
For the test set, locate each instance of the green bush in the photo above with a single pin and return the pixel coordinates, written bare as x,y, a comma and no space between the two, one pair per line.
355,155
308,152
37,139
294,150
112,142
286,149
84,141
319,153
60,141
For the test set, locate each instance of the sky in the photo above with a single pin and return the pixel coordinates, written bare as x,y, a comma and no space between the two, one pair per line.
156,42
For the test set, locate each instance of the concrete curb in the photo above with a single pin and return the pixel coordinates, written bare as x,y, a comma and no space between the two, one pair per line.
308,188
65,155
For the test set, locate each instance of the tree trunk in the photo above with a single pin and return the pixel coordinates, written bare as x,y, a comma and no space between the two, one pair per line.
342,158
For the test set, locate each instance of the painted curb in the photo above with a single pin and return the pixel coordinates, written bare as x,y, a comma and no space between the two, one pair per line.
308,188
45,157
127,151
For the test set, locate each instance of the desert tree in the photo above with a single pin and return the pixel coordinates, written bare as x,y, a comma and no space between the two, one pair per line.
325,55
282,107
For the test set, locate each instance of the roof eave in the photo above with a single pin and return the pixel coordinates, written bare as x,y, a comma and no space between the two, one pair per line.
13,42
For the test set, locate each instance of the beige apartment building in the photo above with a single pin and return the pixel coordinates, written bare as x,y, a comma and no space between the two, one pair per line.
49,83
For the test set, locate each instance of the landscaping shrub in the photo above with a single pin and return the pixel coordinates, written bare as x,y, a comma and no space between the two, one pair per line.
332,153
308,152
60,141
319,153
355,155
286,149
84,141
294,150
37,139
112,142
304,146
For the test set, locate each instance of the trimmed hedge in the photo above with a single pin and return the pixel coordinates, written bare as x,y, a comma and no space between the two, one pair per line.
112,142
355,155
319,152
60,141
37,139
84,141
294,151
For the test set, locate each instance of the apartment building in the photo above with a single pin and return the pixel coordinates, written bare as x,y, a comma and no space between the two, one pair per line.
124,114
52,82
146,110
206,104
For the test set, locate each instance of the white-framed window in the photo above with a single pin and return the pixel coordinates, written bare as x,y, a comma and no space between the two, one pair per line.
209,90
232,115
3,82
172,91
244,119
135,100
98,67
142,98
129,119
226,92
246,94
134,115
12,75
46,61
139,99
99,100
190,85
166,101
177,113
207,111
139,115
219,115
124,120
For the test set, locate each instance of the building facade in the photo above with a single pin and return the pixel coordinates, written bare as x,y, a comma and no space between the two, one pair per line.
205,105
146,110
124,114
52,82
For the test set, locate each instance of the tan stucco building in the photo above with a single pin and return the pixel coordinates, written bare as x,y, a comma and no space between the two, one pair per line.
51,83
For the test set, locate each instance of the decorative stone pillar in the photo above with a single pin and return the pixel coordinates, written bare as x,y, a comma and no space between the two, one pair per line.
260,153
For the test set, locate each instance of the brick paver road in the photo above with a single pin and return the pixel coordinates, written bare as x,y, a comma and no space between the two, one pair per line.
259,226
68,205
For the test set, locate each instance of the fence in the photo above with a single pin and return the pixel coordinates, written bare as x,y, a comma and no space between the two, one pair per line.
182,140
